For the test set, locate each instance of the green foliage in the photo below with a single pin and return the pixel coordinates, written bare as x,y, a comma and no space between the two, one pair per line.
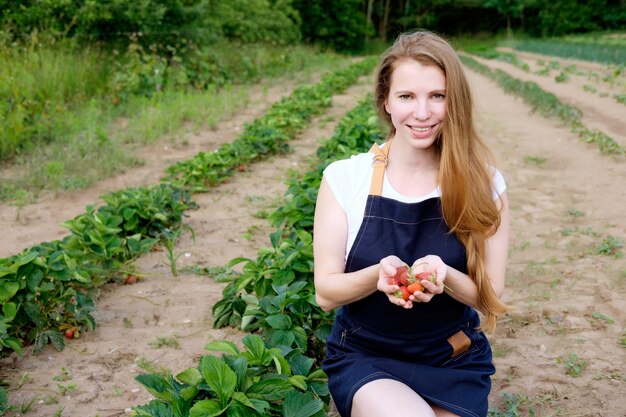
340,25
548,105
51,286
515,405
560,17
267,135
274,295
589,51
4,401
574,365
259,381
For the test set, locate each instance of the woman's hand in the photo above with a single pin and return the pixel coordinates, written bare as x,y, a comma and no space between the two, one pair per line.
386,270
434,265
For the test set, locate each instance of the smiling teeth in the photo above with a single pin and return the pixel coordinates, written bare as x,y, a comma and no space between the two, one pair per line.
420,129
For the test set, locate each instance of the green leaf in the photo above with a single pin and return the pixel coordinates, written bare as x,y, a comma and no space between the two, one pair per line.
206,408
34,313
34,279
279,321
243,399
298,404
223,346
7,290
298,381
255,346
9,310
156,385
219,377
154,408
190,376
4,401
270,389
18,261
57,339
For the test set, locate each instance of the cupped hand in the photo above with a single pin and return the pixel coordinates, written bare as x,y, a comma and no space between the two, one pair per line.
386,270
438,269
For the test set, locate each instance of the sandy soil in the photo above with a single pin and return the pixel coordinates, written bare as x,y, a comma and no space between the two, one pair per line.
567,299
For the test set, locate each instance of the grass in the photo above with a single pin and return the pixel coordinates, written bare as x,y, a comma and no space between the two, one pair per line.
596,51
87,137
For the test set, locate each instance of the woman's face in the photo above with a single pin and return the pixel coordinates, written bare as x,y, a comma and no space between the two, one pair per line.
417,102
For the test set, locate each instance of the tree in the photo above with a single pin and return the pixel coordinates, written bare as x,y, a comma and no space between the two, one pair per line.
507,8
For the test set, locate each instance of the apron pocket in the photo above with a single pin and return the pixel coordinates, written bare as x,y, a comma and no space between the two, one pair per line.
460,343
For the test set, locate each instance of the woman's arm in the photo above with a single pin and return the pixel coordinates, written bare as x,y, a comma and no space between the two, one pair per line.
333,287
497,247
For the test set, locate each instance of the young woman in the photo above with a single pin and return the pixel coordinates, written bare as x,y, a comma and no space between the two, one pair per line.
429,197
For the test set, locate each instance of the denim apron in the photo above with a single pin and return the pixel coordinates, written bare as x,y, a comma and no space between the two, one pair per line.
435,347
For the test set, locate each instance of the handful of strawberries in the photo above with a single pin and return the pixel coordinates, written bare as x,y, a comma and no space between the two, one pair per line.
409,281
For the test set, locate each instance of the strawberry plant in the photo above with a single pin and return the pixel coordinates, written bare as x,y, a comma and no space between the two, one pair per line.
266,135
274,294
51,287
548,105
258,381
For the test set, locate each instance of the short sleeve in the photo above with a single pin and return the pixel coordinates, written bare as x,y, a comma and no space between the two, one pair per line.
498,183
338,182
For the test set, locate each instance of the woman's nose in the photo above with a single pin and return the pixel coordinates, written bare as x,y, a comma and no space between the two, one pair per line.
421,110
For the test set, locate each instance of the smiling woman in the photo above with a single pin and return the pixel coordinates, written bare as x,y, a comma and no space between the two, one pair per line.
427,198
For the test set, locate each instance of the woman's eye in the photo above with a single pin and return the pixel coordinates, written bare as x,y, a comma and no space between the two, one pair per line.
439,96
404,97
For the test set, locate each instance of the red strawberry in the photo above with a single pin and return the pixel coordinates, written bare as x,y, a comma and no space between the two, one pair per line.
403,293
416,286
402,274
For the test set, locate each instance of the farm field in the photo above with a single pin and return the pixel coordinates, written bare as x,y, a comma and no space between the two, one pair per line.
559,352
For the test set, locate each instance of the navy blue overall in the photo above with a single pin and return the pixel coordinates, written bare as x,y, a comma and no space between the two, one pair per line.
375,339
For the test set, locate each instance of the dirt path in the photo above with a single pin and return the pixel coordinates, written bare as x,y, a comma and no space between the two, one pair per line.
567,300
162,308
599,112
566,200
41,222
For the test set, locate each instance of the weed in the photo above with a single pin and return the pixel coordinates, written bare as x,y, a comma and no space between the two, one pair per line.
603,317
561,78
537,160
575,212
58,412
165,341
514,406
610,246
26,406
148,366
169,241
574,365
590,88
63,376
127,323
64,389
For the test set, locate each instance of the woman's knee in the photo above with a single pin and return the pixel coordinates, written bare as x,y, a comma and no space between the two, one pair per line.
385,397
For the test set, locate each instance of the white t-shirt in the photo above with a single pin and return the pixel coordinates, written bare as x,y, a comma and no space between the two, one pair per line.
350,180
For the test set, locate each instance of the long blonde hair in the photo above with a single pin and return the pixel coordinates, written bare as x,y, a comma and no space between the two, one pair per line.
465,175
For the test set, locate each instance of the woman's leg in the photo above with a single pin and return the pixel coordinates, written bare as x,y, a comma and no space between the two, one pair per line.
442,412
388,397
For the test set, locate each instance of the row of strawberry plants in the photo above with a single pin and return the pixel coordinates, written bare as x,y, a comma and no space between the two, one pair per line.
266,135
52,286
273,298
547,104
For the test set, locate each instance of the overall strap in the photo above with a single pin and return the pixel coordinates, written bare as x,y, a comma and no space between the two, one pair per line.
379,162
